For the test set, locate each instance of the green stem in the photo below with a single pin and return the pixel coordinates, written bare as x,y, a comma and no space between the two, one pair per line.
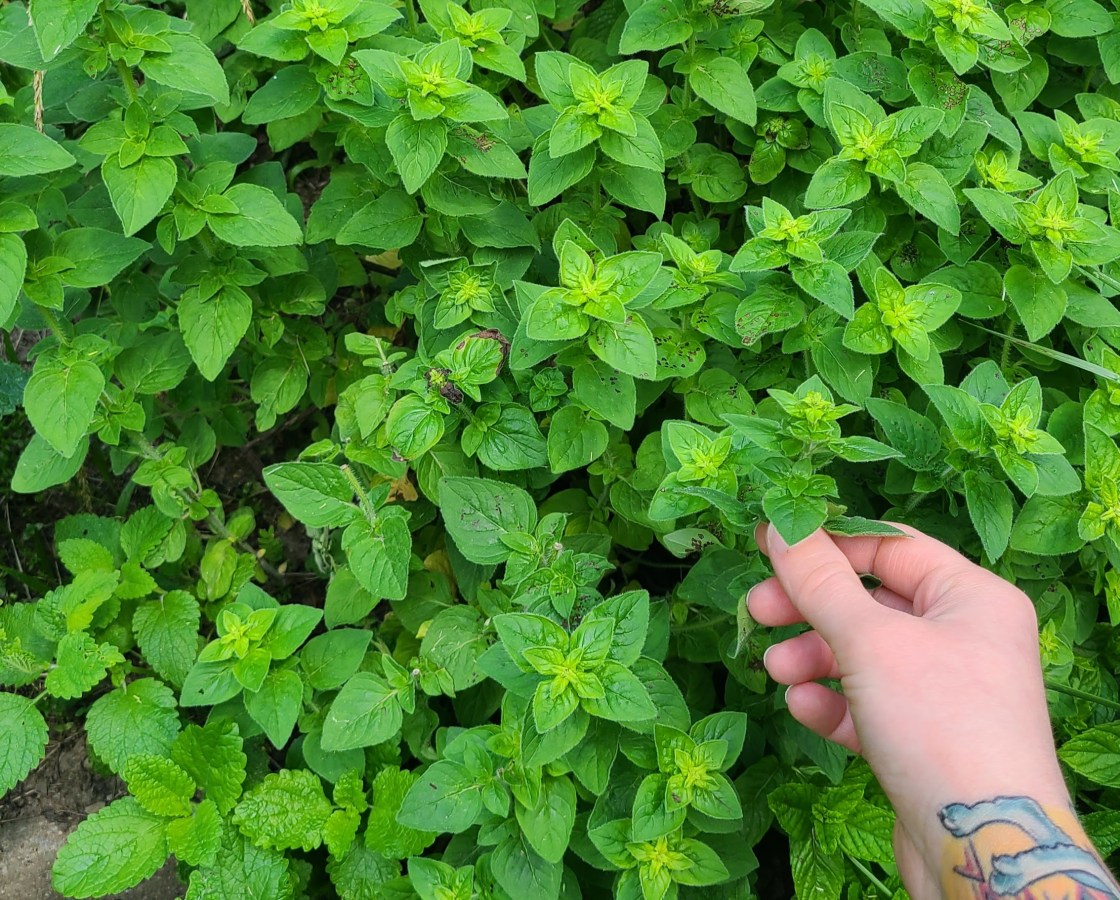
410,15
696,626
1101,277
1059,688
1005,353
917,499
363,493
149,451
870,876
127,80
690,50
55,325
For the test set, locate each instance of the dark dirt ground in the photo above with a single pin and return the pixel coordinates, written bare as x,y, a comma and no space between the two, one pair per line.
38,814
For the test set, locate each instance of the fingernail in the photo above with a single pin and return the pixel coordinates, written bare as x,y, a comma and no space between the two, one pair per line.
766,654
774,541
785,695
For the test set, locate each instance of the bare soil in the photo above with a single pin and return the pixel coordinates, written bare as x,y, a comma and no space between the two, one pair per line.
37,816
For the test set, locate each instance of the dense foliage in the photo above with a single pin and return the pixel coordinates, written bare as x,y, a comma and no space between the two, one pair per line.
423,372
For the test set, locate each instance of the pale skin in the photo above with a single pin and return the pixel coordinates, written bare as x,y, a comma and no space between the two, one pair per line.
942,693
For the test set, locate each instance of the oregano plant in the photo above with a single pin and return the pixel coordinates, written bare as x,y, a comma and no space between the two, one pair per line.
391,390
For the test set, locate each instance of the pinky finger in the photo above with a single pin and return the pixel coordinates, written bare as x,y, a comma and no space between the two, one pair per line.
823,711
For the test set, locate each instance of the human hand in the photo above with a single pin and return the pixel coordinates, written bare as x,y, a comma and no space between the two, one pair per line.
942,683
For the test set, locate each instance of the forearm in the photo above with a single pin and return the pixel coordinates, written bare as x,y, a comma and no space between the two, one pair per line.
1019,846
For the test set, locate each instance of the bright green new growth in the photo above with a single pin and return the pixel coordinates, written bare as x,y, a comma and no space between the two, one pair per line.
403,383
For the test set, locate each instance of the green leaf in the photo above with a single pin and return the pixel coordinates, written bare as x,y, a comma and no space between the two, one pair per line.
24,151
650,816
991,508
61,399
815,873
549,177
58,23
417,148
548,825
277,705
1040,303
241,870
365,712
1095,754
379,555
317,494
330,659
98,255
445,797
40,466
838,182
795,517
605,391
189,66
139,718
641,150
286,811
392,220
23,739
828,282
159,785
655,25
961,413
167,632
628,347
626,698
927,191
213,757
514,442
197,838
260,221
1047,526
522,872
723,83
80,665
574,439
290,92
478,511
113,850
139,192
212,327
13,266
385,834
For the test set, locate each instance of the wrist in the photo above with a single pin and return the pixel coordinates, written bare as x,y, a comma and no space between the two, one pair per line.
961,811
1017,845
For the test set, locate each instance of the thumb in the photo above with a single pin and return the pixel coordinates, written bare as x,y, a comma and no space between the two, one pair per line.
821,583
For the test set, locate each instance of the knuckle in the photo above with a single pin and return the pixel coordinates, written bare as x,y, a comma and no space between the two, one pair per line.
1020,609
826,580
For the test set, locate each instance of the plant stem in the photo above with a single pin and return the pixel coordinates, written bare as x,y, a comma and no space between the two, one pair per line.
920,498
127,80
1058,688
148,451
870,876
55,325
363,493
410,15
1005,353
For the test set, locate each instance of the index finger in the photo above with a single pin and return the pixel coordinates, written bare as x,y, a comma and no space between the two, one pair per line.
821,582
918,567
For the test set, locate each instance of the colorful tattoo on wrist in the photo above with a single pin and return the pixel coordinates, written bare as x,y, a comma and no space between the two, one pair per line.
1013,847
